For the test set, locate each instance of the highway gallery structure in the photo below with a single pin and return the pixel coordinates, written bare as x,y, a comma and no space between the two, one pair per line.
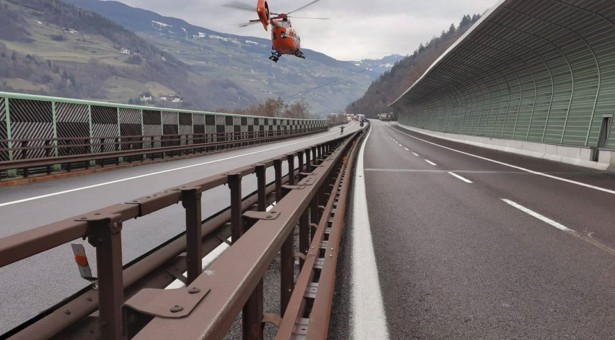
535,77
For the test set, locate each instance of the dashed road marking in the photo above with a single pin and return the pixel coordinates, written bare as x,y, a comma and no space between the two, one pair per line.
608,191
460,177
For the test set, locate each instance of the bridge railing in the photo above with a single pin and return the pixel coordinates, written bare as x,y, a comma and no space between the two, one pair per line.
311,201
68,154
37,127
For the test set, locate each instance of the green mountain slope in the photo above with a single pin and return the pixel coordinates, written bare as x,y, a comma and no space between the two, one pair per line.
391,84
53,48
64,48
328,85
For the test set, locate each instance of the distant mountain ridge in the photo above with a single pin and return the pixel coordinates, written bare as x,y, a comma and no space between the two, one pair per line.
244,59
106,50
54,48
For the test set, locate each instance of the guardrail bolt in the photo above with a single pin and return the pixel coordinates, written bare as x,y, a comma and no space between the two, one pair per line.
194,290
176,309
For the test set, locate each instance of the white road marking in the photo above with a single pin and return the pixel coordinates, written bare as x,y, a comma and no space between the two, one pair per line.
587,238
460,177
430,162
368,319
155,173
538,216
608,191
416,154
404,170
406,149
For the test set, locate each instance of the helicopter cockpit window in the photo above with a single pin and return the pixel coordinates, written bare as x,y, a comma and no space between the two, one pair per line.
283,23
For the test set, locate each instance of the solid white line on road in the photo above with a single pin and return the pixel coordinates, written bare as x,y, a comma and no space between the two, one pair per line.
587,238
404,170
156,173
416,154
430,162
538,216
608,191
368,320
406,149
460,177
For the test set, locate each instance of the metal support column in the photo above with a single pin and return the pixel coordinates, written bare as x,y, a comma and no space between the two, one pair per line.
191,201
105,234
253,309
286,253
308,160
234,183
301,164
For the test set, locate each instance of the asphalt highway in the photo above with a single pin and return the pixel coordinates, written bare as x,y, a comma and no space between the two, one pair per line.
472,243
32,285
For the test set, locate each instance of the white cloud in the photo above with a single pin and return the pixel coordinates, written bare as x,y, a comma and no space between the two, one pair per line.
357,29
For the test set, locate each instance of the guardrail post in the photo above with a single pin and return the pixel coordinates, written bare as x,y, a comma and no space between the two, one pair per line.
261,179
291,169
253,309
314,156
308,160
48,154
314,211
301,164
287,252
105,233
277,166
24,149
304,234
234,183
191,201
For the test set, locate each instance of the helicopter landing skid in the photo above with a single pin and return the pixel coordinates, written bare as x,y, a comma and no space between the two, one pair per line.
299,54
275,56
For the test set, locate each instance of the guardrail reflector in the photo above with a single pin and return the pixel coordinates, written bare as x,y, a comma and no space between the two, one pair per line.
81,259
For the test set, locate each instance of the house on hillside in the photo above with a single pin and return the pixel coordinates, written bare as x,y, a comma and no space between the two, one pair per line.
146,97
173,98
125,51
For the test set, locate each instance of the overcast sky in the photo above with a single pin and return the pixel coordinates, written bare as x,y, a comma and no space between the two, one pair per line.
358,29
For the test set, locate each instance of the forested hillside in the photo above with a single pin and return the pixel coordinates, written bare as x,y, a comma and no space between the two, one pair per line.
393,83
53,48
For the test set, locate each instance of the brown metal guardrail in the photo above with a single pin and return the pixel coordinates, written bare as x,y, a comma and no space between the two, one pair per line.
75,153
211,300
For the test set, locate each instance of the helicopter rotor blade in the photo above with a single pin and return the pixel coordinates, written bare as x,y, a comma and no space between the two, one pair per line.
241,6
251,22
294,17
304,6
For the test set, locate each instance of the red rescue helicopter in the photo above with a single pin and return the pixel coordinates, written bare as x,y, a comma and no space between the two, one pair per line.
284,39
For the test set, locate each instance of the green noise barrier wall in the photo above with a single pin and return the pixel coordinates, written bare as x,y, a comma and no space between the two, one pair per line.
530,70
